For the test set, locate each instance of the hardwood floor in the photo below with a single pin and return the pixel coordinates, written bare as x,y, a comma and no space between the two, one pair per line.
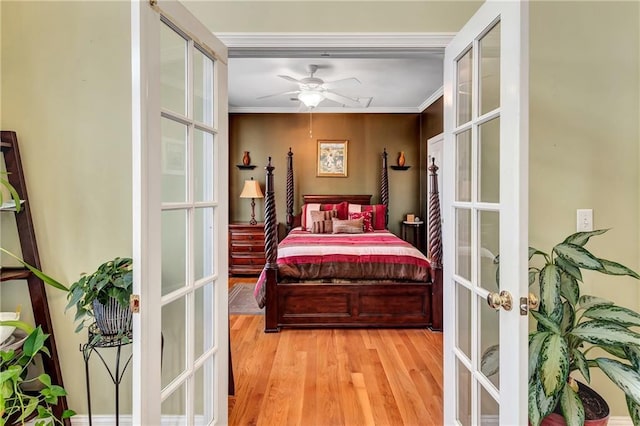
334,377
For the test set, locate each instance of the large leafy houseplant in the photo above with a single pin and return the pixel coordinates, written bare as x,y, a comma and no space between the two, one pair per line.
576,332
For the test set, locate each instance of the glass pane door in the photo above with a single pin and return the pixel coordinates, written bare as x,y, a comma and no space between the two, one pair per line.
485,185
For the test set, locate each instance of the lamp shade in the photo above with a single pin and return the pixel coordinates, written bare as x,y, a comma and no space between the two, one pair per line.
311,98
251,189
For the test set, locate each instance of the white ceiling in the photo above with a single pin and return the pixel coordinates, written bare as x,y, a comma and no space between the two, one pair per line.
399,77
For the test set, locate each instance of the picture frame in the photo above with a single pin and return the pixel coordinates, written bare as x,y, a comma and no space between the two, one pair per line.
332,158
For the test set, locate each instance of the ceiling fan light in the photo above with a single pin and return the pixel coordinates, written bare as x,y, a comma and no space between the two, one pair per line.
310,98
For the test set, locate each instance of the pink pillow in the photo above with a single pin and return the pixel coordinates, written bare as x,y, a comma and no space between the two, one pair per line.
307,221
366,220
378,213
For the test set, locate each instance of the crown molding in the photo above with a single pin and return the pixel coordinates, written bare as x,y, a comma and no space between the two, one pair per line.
256,41
431,99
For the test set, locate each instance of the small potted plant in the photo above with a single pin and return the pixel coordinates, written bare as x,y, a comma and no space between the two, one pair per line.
103,296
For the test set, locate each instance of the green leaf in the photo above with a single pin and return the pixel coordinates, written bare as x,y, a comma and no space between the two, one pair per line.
66,414
568,317
550,303
569,289
38,273
634,411
578,256
534,413
546,323
490,361
614,268
632,353
581,238
532,276
587,301
45,380
554,364
534,251
625,377
605,333
546,404
27,328
536,340
569,268
617,314
581,362
571,405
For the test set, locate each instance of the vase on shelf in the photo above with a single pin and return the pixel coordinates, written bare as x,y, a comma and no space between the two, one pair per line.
401,159
246,160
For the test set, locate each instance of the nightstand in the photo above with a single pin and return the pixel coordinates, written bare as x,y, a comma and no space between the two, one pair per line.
414,228
246,249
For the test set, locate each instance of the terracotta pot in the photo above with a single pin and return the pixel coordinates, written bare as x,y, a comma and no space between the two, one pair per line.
592,401
246,160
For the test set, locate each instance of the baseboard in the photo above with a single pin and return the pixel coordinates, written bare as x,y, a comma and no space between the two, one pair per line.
125,420
106,420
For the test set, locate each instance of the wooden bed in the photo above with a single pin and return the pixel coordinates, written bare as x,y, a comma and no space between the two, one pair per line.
353,304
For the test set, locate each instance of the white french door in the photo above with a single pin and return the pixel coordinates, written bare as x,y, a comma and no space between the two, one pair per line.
180,203
486,215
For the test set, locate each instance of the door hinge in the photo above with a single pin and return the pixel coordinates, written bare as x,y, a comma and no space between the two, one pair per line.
134,303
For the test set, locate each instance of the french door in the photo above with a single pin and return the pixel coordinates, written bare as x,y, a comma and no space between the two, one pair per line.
180,169
485,208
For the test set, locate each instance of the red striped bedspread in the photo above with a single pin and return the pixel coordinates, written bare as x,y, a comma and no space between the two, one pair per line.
378,255
375,256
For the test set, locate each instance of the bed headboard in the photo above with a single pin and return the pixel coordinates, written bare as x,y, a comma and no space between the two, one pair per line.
337,199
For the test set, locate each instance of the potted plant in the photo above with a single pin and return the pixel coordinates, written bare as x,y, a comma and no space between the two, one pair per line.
18,405
103,296
574,333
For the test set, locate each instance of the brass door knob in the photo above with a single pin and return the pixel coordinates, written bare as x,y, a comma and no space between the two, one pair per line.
500,300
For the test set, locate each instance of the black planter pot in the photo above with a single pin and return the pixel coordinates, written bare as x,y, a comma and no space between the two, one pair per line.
596,409
112,318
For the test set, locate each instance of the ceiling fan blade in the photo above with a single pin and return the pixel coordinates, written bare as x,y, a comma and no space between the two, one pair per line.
286,77
344,100
279,94
334,83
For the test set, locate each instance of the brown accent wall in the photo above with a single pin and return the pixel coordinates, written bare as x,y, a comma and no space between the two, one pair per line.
431,124
265,135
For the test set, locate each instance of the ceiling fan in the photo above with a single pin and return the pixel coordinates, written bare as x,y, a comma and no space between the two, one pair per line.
313,90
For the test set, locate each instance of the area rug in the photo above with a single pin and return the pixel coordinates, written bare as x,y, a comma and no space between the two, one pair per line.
242,302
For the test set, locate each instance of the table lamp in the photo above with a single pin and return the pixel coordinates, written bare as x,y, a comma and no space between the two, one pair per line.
252,190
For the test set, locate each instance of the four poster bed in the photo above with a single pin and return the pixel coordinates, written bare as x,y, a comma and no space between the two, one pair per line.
339,266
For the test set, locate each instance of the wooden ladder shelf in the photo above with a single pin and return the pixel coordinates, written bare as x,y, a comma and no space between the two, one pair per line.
37,293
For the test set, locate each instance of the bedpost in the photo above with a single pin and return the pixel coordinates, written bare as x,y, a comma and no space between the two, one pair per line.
384,187
435,248
289,190
271,253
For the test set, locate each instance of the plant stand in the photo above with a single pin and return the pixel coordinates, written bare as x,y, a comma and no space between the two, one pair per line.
95,343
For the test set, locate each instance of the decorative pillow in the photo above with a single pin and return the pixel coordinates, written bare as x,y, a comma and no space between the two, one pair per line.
342,209
378,213
321,221
348,226
366,220
307,222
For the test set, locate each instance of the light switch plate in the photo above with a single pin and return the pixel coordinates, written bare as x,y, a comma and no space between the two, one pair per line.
584,222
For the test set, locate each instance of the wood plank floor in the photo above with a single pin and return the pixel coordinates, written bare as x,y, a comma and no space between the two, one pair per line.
334,377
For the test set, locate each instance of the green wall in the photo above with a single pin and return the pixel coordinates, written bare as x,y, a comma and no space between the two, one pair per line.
585,139
66,91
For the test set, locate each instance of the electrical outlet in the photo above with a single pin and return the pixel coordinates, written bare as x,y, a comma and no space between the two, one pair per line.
584,221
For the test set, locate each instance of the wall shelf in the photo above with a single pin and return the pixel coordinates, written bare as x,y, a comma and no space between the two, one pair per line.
248,167
400,167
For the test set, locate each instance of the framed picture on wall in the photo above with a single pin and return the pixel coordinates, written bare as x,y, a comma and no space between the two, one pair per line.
332,158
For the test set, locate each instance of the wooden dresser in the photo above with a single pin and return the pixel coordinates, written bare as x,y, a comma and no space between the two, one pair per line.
246,249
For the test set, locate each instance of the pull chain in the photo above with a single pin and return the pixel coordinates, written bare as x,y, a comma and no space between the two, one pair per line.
311,124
